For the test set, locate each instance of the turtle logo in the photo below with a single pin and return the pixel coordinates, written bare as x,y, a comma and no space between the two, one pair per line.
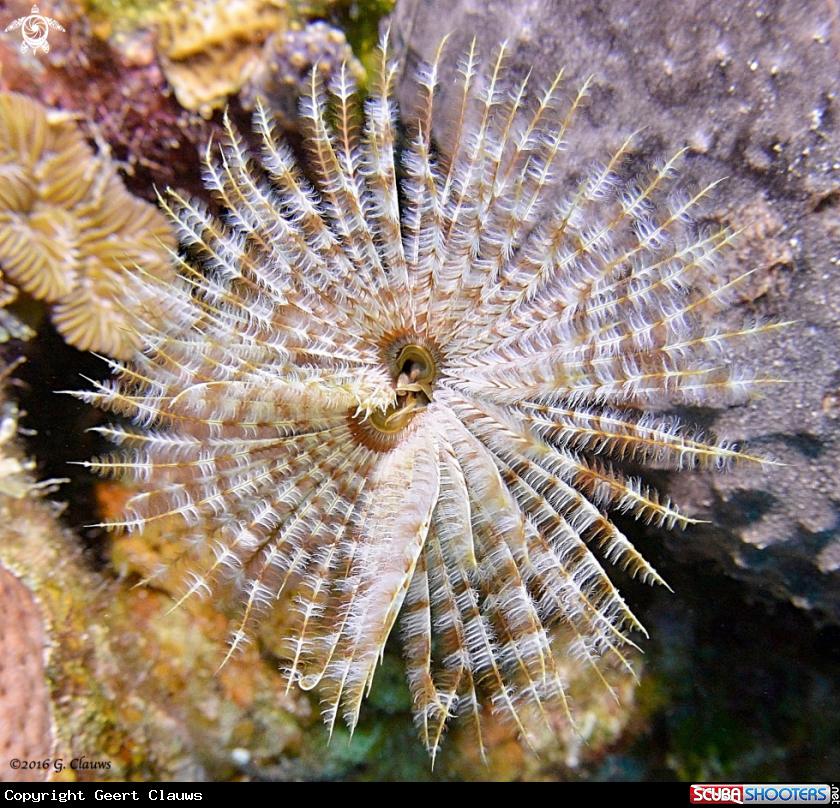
35,30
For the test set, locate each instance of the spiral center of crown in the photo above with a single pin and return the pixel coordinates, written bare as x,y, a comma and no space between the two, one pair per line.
414,379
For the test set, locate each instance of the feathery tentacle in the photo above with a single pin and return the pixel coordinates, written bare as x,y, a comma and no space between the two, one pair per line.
425,411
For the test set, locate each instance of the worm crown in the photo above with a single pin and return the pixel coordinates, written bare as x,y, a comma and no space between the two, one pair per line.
416,405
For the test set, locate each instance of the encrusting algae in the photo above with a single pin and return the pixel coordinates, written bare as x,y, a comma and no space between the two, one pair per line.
417,401
69,230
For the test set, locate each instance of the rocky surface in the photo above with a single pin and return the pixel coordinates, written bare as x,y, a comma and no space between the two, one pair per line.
749,88
24,700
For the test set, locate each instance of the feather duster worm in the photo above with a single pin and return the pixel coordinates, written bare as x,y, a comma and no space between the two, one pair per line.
410,400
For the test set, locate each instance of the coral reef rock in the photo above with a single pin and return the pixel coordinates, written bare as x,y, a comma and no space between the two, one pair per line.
117,88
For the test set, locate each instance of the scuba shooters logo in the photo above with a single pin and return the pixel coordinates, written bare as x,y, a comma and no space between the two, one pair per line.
36,28
731,794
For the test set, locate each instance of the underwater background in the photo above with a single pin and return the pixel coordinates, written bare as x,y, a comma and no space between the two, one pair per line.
738,680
